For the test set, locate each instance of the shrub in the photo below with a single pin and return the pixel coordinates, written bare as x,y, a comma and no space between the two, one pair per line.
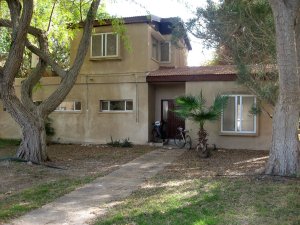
126,143
117,143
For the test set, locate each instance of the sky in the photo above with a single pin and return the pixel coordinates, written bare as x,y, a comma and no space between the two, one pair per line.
165,8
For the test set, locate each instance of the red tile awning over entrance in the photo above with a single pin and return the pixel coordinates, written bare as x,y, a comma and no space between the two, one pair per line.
200,73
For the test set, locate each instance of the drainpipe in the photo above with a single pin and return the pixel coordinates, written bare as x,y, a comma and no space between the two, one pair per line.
137,99
87,92
87,124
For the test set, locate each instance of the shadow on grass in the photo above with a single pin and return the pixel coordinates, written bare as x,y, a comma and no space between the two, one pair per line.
211,201
163,206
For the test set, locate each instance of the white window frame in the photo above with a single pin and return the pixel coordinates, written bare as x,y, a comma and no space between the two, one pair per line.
169,43
104,45
109,110
59,108
159,43
157,48
236,131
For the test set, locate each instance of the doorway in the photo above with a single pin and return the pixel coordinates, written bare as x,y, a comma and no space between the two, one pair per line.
170,118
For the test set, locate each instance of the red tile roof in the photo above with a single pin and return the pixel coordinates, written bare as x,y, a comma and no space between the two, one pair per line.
200,73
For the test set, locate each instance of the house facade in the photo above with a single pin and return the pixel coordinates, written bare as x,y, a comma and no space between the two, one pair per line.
121,91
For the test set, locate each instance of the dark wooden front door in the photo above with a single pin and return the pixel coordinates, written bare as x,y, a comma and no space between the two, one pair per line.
169,117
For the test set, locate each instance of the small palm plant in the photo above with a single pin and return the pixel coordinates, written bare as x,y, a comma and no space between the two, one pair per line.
194,108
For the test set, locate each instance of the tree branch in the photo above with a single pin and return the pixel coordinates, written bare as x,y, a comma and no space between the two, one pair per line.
47,58
41,54
30,82
14,60
15,56
15,11
53,101
50,19
85,40
35,76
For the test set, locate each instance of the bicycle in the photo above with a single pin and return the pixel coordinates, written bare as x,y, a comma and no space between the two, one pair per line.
158,132
182,139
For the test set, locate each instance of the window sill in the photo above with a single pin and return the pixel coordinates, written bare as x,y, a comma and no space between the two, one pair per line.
238,134
105,58
160,62
66,111
165,62
116,112
155,60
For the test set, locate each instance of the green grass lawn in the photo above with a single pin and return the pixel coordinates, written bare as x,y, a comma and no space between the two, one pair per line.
211,201
181,195
35,197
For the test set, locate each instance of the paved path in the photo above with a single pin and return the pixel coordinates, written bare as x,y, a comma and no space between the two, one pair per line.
88,202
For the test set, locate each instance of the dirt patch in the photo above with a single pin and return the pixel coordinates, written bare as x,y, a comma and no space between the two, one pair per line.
81,161
77,161
220,163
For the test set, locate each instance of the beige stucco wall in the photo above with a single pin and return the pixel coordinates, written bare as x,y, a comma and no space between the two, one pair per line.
8,127
137,59
108,79
178,55
90,125
133,60
151,108
261,141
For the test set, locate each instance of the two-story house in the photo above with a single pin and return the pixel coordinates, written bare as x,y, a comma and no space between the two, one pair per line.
119,93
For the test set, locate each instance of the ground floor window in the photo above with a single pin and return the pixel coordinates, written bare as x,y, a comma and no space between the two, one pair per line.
69,106
236,116
116,105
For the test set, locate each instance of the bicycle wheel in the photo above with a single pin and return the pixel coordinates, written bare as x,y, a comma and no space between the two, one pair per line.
179,141
188,142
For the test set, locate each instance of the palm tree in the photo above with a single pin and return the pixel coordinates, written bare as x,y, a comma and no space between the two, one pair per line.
194,108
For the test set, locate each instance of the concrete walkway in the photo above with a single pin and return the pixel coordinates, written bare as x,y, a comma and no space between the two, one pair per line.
88,202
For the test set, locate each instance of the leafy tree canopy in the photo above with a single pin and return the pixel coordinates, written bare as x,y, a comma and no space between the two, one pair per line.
243,33
53,17
238,29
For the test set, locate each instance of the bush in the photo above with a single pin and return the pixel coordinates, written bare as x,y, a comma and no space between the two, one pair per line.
9,142
117,143
126,143
48,127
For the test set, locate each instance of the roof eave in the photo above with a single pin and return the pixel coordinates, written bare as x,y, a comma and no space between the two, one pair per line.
191,78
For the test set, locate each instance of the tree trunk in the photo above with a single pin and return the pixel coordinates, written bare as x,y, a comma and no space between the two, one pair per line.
33,145
284,154
29,116
201,148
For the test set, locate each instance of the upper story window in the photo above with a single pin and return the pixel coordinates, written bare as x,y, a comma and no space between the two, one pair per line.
165,50
236,117
161,51
155,49
69,106
116,105
104,45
